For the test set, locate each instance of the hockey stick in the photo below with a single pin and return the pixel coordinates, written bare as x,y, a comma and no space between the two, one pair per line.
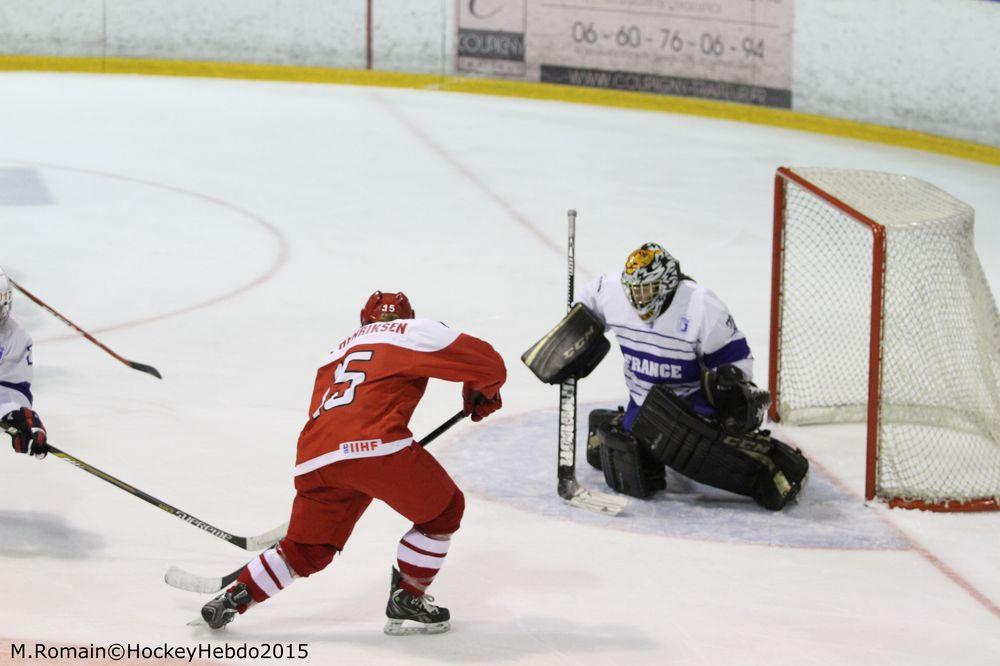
192,582
257,542
142,367
185,580
568,487
441,429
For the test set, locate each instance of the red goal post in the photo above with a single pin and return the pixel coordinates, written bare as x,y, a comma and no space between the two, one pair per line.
881,313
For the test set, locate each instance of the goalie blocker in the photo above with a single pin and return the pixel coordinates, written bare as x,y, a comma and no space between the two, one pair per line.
755,464
570,350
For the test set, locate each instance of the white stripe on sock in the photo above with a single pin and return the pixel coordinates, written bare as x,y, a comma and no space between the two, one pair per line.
423,542
278,566
412,557
262,578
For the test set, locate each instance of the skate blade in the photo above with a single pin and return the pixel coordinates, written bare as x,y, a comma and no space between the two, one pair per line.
401,628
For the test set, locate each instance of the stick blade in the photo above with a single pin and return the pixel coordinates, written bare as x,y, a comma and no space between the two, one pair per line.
142,367
189,582
598,502
267,539
184,580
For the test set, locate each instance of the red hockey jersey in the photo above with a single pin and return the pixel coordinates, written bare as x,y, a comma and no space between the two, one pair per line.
369,385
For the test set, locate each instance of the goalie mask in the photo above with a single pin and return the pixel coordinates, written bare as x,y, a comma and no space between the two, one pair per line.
651,276
386,307
6,296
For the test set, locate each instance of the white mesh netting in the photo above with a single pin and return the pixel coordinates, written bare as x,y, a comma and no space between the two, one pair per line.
939,410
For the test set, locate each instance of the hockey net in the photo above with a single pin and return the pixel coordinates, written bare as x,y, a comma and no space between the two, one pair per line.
881,313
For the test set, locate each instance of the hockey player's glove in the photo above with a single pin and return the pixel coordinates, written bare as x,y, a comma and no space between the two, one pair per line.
741,405
478,405
26,432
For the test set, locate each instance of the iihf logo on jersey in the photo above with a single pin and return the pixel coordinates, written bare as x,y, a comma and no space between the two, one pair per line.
360,446
685,323
2,351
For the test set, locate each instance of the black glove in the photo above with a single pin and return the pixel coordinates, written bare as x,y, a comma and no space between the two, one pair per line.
740,404
26,432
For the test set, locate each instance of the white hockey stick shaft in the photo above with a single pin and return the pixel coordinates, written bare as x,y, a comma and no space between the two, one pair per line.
571,259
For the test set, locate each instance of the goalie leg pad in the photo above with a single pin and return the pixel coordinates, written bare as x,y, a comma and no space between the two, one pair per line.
785,480
597,419
572,349
627,467
755,465
688,444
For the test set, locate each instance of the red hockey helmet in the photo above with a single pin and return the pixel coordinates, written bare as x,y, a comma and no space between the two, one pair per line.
386,307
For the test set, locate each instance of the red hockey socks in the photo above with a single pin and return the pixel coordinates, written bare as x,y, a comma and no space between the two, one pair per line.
276,568
422,550
420,557
266,575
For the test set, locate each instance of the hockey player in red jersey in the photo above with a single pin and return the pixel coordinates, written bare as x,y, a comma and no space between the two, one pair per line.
356,446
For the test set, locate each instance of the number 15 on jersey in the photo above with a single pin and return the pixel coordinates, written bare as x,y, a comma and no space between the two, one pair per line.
344,375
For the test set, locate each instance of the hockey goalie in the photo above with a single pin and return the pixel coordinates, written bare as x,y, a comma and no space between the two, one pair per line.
692,404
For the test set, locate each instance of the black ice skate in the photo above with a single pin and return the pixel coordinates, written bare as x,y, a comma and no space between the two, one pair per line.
221,610
409,614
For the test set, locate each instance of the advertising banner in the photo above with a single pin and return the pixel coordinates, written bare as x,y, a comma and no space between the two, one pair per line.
491,37
732,50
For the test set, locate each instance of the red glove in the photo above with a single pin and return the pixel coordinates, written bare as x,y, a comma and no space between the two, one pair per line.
478,405
26,432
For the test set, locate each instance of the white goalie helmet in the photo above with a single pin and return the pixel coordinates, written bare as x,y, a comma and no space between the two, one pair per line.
6,296
651,275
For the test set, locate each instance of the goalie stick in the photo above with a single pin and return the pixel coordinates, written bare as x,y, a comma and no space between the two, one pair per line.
185,580
568,487
135,365
258,542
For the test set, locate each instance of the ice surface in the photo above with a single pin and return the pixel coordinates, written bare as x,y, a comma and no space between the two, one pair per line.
228,232
510,460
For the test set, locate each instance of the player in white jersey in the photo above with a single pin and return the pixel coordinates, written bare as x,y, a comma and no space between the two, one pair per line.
671,329
692,406
17,418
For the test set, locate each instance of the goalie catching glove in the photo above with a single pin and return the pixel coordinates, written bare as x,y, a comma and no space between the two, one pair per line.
26,432
571,350
740,405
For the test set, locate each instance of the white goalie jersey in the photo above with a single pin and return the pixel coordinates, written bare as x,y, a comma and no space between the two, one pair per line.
695,332
15,367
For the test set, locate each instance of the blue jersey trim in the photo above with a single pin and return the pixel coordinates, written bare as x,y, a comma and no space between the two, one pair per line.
630,413
737,350
23,388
